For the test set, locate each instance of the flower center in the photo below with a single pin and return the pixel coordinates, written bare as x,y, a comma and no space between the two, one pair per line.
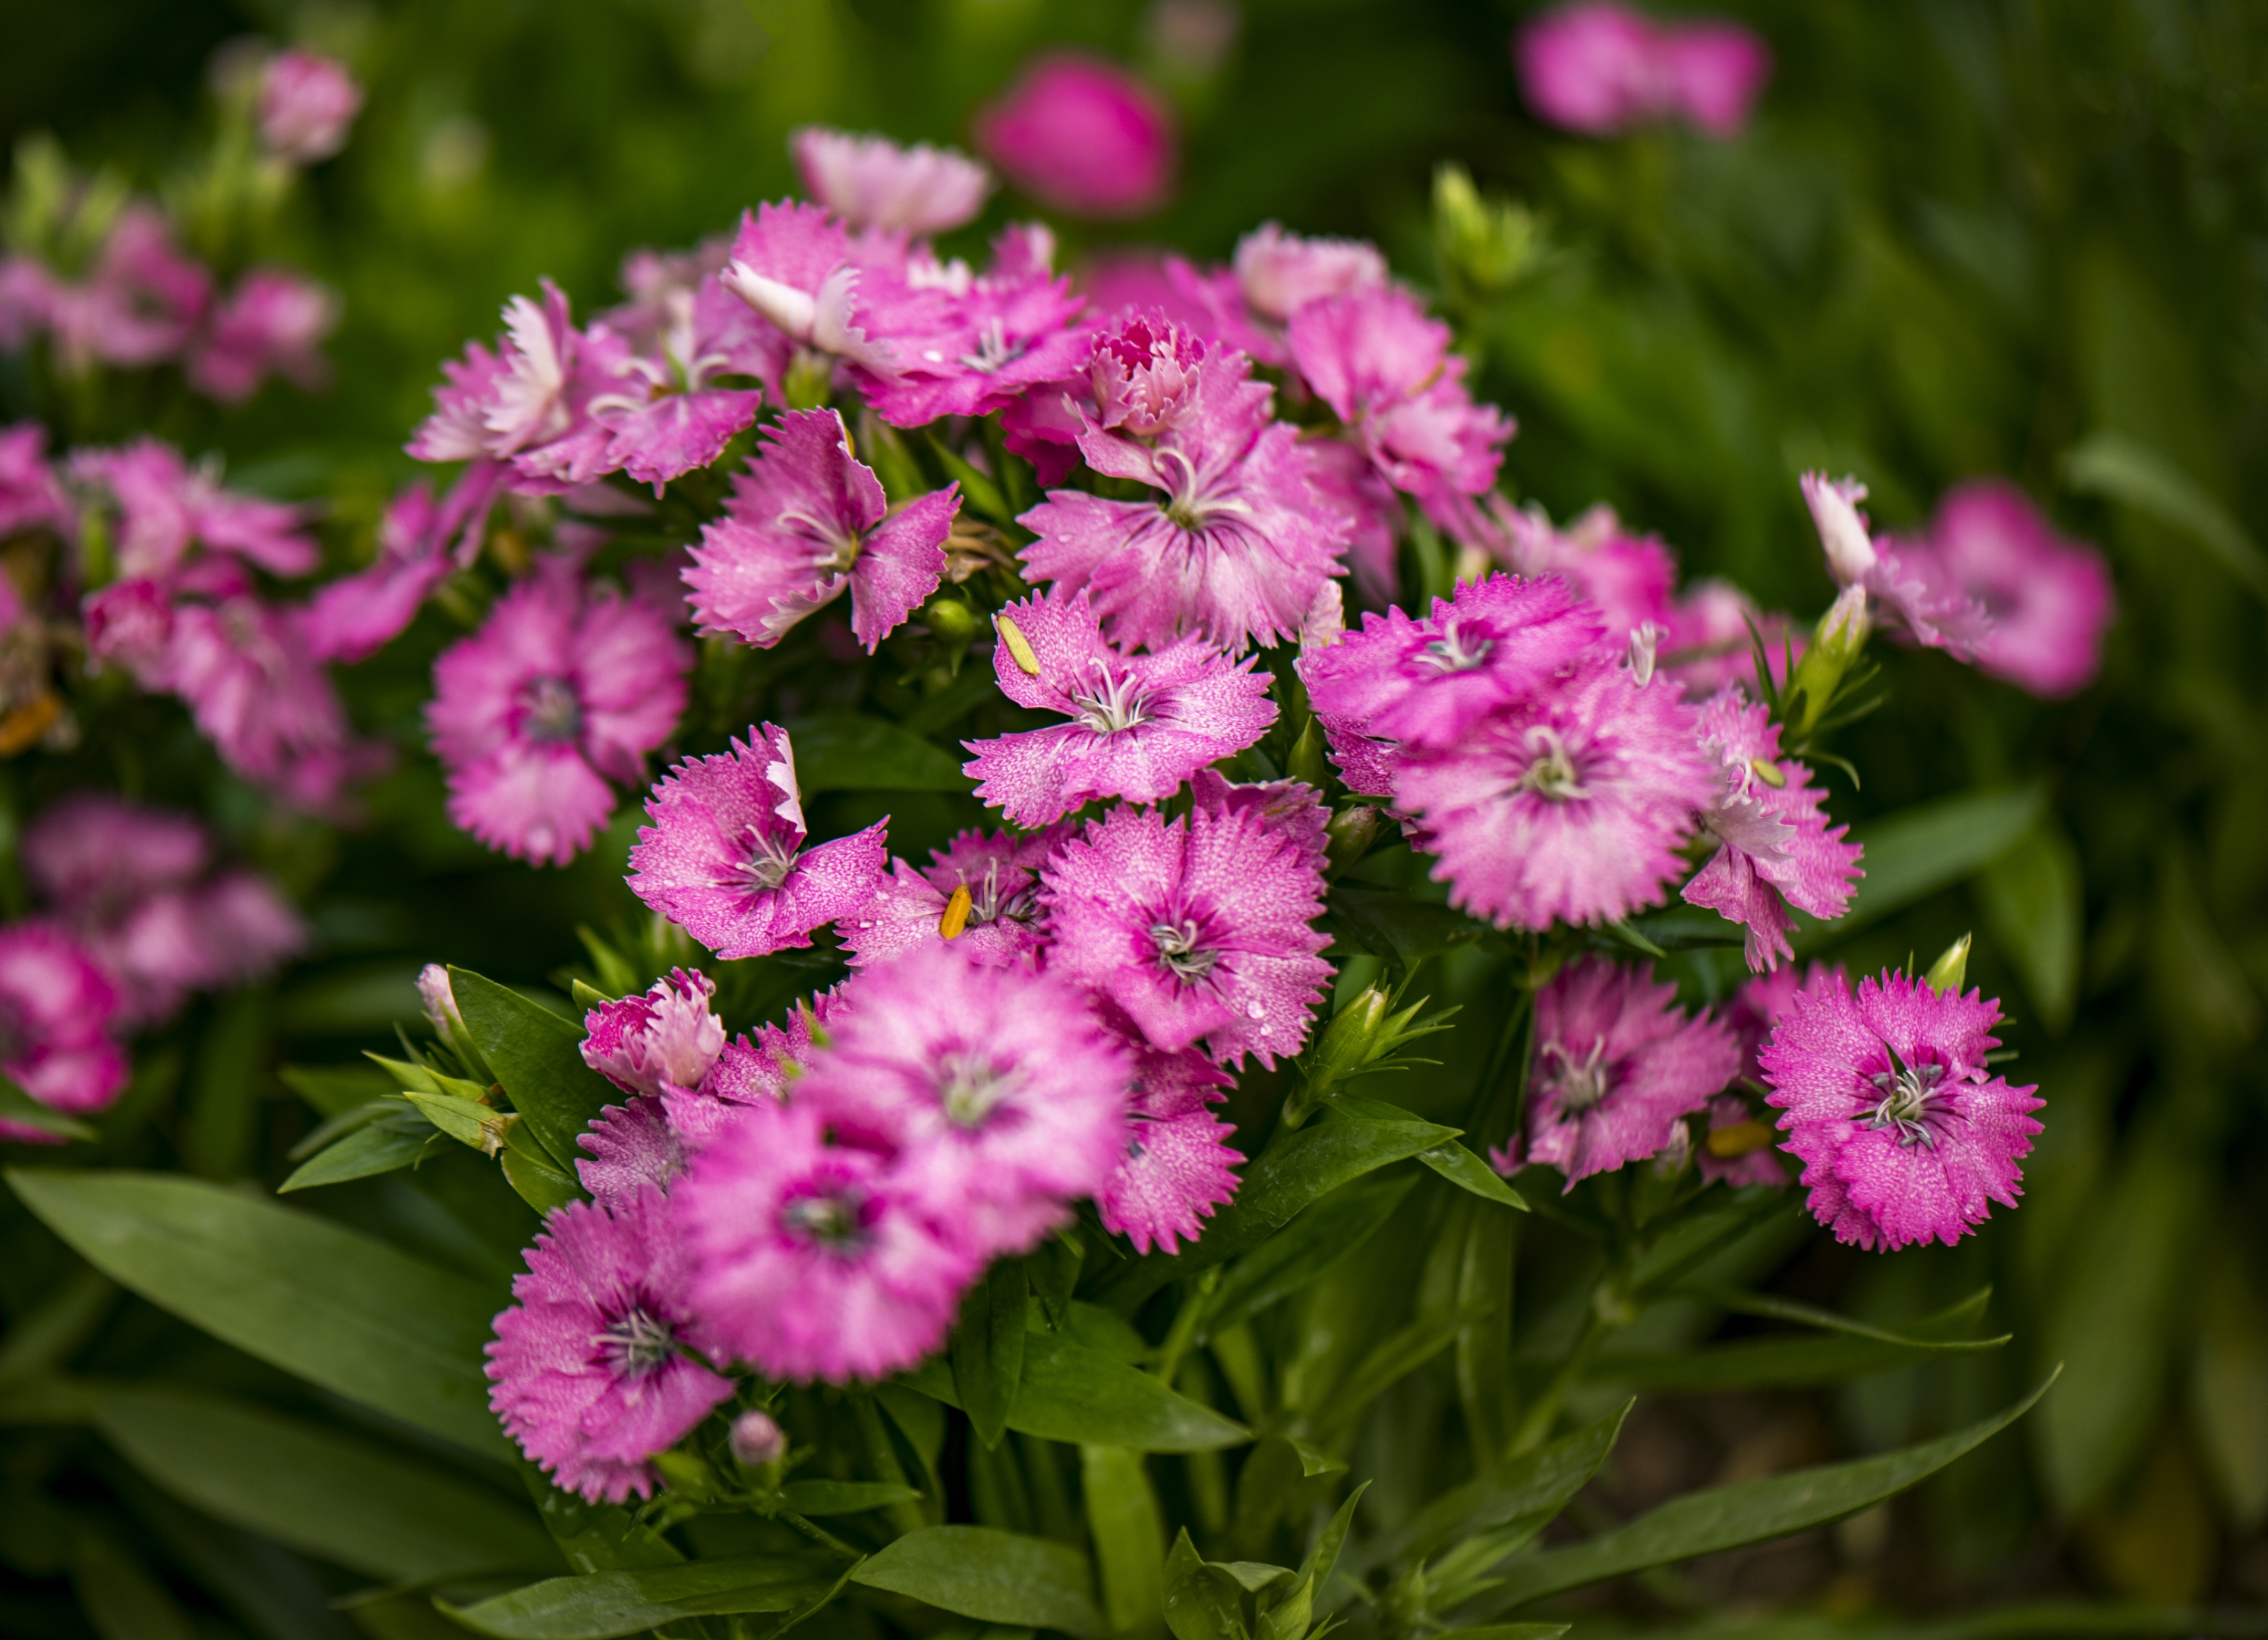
834,1223
994,350
637,1342
767,863
1552,773
1582,1083
1456,650
1909,1100
1115,704
1177,950
969,1086
553,712
987,904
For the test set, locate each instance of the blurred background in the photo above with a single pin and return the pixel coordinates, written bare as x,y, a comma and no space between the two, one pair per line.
1959,238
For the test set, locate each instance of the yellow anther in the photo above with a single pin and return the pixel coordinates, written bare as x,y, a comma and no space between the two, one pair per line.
1764,769
1738,1139
956,913
1019,645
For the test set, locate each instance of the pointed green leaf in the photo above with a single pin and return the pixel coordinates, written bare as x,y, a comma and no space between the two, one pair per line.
1075,1393
537,1055
1468,1172
377,1148
540,1181
1535,1486
993,1576
1205,1602
1303,1249
1323,1559
1915,851
467,1121
845,1498
602,1606
1129,1535
848,752
330,1304
20,1106
988,1348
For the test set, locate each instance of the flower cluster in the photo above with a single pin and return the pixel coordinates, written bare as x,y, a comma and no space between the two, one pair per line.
1600,67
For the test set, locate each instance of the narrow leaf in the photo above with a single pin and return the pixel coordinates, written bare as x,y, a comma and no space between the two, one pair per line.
1074,1394
1304,1249
1915,851
1534,1485
993,1576
602,1606
19,1106
1468,1172
988,1348
536,1054
2131,473
1129,1535
845,1498
375,1148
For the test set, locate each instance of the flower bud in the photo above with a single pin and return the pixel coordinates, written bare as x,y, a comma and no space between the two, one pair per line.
440,1003
1350,833
952,619
1484,245
757,1440
1950,971
307,105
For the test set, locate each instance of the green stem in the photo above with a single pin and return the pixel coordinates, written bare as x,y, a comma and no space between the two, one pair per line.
1543,1411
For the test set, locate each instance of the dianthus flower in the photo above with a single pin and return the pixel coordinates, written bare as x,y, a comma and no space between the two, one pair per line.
1290,808
1387,372
630,1148
270,325
140,305
1627,577
307,104
1145,375
997,924
30,497
1601,68
166,506
1496,642
1280,273
56,1009
1737,1150
1348,482
1904,1133
1616,1066
528,404
807,521
1233,552
1001,1096
591,1368
419,540
1177,1168
668,1038
798,268
2050,597
871,182
563,689
1200,930
1771,821
665,410
1903,584
1082,135
1568,808
725,858
815,1260
1140,724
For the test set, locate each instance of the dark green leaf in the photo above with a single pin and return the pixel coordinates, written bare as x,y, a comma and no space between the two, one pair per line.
335,1090
1393,1359
541,1183
1388,924
1466,1171
981,494
1205,1602
988,1348
2131,473
1129,1535
602,1606
536,1054
1913,853
120,1598
20,1106
1762,1363
1531,1487
2034,895
845,752
1303,1249
1053,1272
1703,1523
993,1576
1323,1559
593,1537
333,1496
375,1148
845,1498
334,1305
1078,1394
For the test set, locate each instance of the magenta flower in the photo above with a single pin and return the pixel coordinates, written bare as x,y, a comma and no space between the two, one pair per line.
528,404
725,858
419,540
750,1072
307,103
563,689
1140,724
1495,643
1757,1165
1570,808
1177,1167
815,1260
1715,69
591,1366
184,937
1387,372
30,497
1290,808
140,306
1628,577
628,1150
999,926
797,268
1002,1098
1904,1133
2050,597
1235,550
1280,273
1904,585
1349,483
1757,1005
1601,68
1616,1067
272,324
56,1010
1082,136
665,412
1773,824
807,520
871,182
980,343
1147,376
668,1038
166,506
1200,930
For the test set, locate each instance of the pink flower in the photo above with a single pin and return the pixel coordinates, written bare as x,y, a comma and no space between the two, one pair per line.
807,520
1627,577
56,1014
665,410
816,1261
1904,585
140,306
561,690
749,1073
1570,808
1147,376
1290,808
1177,1166
1002,1098
628,1151
871,182
1495,643
1082,136
591,1368
668,1038
164,506
1709,642
999,926
272,324
1616,1067
352,618
529,403
798,268
1601,68
1280,273
307,103
2050,597
30,497
1140,724
1757,1005
1729,1114
1773,824
1348,484
1199,929
210,937
1903,1131
725,858
1234,552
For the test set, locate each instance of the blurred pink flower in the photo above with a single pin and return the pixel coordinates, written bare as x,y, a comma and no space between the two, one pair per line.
1603,68
871,183
307,103
1002,925
269,325
1082,135
56,1009
2050,597
31,496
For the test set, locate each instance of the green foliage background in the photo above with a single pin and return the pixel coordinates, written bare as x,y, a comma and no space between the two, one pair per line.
1963,237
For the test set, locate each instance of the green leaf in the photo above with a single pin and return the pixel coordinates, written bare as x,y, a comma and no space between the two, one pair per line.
593,1537
601,1605
327,1494
467,1121
845,1498
1763,1364
375,1148
540,1181
1077,1394
1205,1602
20,1106
1393,1359
2131,473
537,1055
2033,896
1390,923
1304,1249
979,491
988,1348
334,1305
993,1576
1468,1172
1129,1535
1529,1488
1704,1523
847,752
335,1090
119,1597
1323,1559
1917,851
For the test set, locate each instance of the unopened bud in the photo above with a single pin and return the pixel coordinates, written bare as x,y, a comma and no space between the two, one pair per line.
1306,763
757,1440
1350,833
687,1474
952,619
440,1003
1950,971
